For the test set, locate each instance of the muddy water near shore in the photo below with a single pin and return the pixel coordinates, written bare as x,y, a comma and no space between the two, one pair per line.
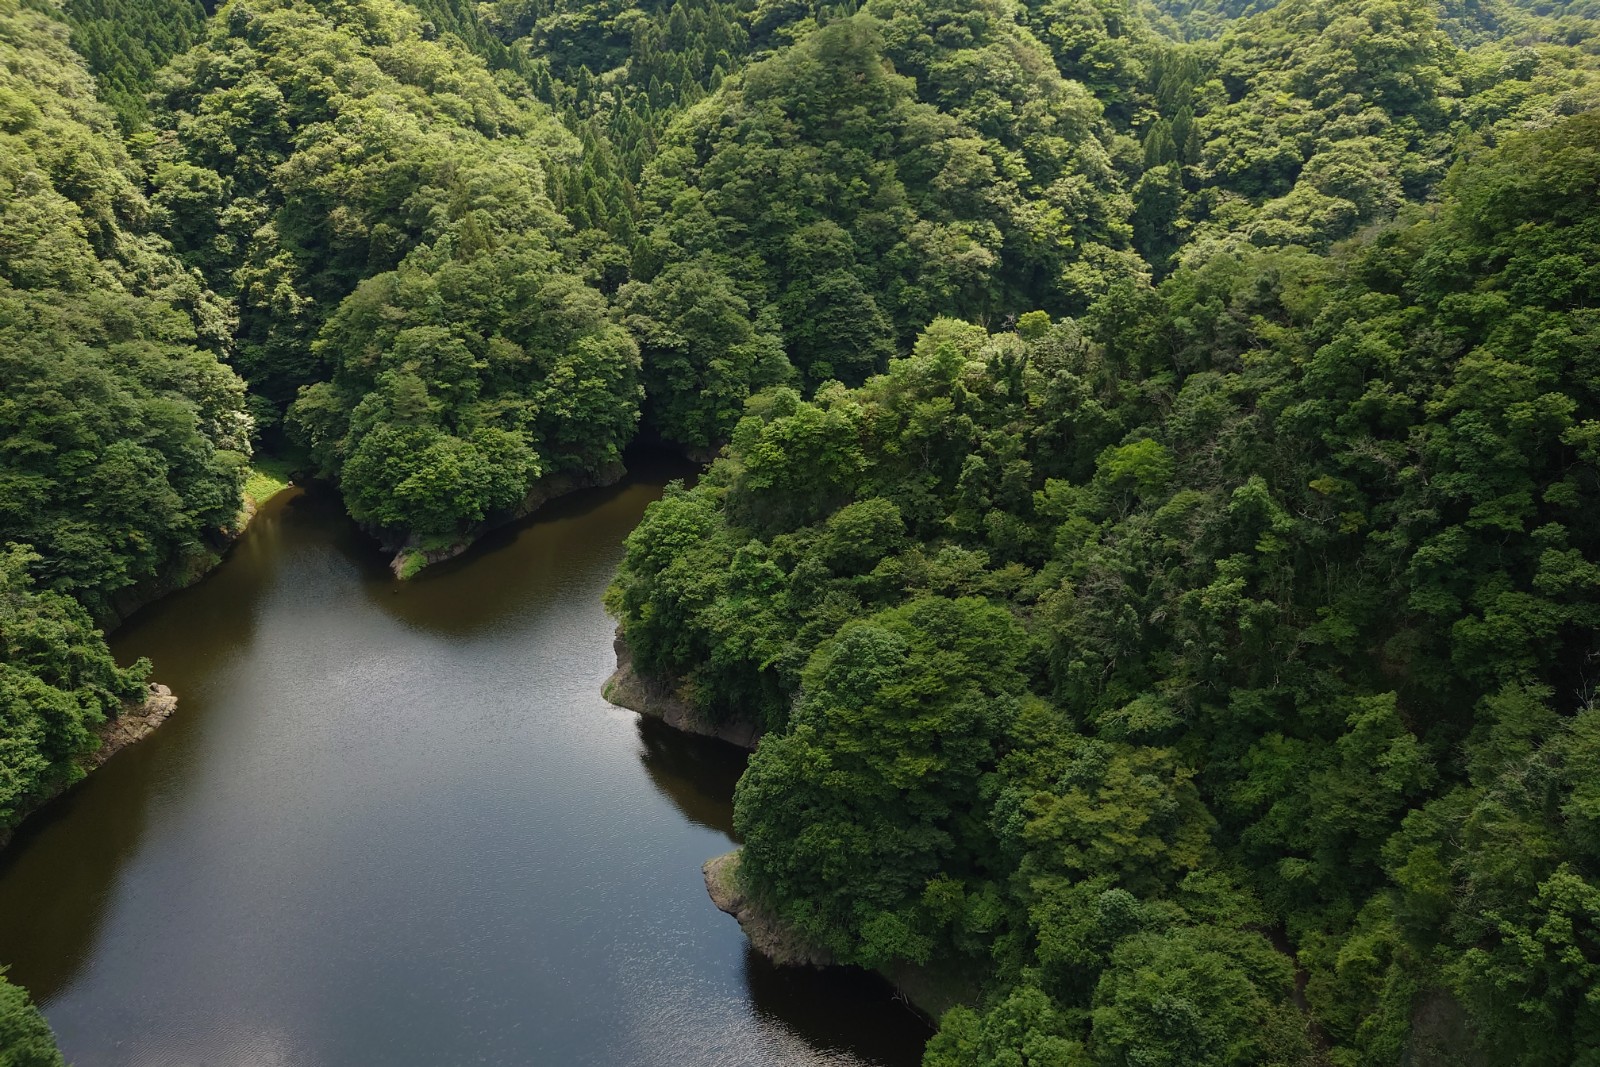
396,823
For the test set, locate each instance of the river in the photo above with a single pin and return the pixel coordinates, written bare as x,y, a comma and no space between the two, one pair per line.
396,824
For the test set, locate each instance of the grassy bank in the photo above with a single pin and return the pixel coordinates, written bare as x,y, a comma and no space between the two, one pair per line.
269,476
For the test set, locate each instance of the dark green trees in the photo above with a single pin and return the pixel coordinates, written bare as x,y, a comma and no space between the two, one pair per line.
859,183
25,1038
703,353
460,380
1299,596
373,201
57,683
125,42
122,438
872,794
1207,666
289,184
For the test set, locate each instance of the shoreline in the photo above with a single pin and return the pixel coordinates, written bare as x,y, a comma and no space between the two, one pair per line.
660,699
411,559
133,724
767,933
197,563
925,990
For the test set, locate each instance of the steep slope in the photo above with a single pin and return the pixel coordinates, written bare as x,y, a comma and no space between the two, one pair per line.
1254,618
373,201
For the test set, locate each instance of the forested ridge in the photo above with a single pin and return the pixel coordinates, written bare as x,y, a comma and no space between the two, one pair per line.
1159,450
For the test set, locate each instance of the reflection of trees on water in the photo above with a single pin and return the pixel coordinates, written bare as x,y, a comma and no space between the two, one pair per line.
696,773
842,1008
201,627
58,873
570,544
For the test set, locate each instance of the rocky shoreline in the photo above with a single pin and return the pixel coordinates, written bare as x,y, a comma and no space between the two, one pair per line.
767,933
135,723
663,700
927,991
924,989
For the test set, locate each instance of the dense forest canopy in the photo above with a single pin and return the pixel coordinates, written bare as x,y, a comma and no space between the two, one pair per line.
1160,446
122,433
1300,603
372,199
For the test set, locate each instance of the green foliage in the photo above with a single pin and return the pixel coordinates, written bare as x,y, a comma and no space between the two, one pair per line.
311,147
702,353
125,42
57,683
858,183
25,1038
849,816
266,479
461,379
1233,637
380,221
1312,119
1196,995
1296,544
1027,1027
121,436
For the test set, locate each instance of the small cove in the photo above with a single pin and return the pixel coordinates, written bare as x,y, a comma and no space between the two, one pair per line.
396,823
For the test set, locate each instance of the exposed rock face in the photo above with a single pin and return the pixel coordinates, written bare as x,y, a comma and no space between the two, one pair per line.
137,722
767,933
658,699
134,724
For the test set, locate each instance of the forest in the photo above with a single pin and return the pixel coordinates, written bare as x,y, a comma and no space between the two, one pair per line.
1152,443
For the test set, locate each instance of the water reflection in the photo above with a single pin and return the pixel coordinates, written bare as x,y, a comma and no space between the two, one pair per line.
569,543
398,824
696,773
51,936
840,1008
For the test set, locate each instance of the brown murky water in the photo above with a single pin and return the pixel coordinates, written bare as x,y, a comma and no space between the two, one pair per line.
396,824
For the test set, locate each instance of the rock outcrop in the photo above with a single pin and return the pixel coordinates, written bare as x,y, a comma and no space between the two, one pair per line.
627,688
134,724
767,933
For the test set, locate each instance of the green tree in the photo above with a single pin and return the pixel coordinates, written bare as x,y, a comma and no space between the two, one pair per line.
25,1038
701,351
849,815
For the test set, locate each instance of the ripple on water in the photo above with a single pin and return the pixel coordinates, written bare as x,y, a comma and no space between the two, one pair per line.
397,824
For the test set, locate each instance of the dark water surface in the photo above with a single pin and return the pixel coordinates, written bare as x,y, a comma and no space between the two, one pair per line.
396,824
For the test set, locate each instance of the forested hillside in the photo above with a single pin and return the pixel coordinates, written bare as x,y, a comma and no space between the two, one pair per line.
1243,629
122,435
124,43
1207,671
1155,528
372,201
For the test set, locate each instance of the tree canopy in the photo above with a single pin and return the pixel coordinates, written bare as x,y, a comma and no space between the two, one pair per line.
1299,596
1158,450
